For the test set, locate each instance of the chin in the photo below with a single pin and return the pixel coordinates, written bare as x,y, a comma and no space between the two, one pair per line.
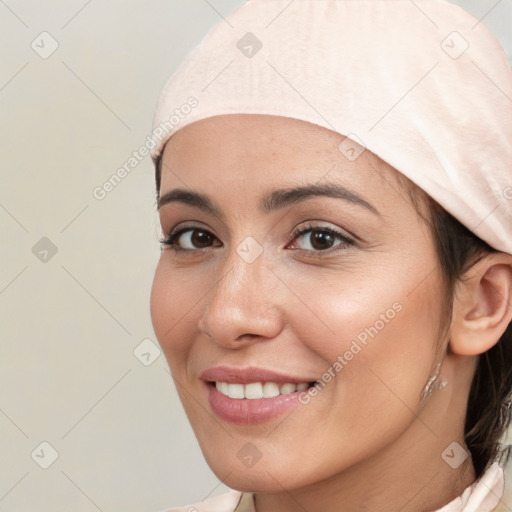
267,475
253,480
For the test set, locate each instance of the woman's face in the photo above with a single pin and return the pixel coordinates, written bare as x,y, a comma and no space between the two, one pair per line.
293,265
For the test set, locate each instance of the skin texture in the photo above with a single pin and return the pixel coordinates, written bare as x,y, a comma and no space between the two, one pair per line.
368,440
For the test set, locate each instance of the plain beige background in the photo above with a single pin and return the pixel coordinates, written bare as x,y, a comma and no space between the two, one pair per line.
79,369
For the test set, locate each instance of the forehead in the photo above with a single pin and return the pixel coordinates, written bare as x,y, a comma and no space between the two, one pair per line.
248,134
229,137
249,152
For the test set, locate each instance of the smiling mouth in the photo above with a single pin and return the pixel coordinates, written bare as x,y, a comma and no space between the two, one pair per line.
258,390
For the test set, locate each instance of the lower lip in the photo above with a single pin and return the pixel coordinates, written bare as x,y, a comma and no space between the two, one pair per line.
249,411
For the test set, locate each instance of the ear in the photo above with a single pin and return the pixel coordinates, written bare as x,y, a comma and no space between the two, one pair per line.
482,307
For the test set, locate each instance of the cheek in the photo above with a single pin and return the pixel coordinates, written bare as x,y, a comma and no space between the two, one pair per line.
377,340
377,348
172,306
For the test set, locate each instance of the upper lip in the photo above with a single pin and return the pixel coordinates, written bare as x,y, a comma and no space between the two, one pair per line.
250,374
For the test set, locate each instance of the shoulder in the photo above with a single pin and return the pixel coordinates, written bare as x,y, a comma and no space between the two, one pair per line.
226,502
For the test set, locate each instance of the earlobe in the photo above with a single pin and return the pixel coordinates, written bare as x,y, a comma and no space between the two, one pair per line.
482,307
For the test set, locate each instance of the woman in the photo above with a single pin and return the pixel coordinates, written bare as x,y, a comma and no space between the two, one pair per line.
334,291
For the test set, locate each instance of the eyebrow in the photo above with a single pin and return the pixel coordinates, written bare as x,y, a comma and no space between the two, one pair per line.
276,200
196,199
286,197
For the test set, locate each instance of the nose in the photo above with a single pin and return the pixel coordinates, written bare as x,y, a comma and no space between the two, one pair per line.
243,305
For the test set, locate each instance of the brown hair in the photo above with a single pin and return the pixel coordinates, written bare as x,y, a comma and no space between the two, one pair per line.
488,413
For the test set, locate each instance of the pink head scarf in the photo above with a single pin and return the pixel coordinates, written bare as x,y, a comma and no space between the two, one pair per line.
420,83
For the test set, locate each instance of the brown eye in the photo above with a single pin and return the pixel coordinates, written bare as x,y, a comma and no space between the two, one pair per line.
319,239
190,239
201,239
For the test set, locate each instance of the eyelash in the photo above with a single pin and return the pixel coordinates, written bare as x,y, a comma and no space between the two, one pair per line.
345,241
171,239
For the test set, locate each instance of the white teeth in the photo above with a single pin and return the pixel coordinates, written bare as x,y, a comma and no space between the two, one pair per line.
222,387
270,390
255,390
286,389
236,391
